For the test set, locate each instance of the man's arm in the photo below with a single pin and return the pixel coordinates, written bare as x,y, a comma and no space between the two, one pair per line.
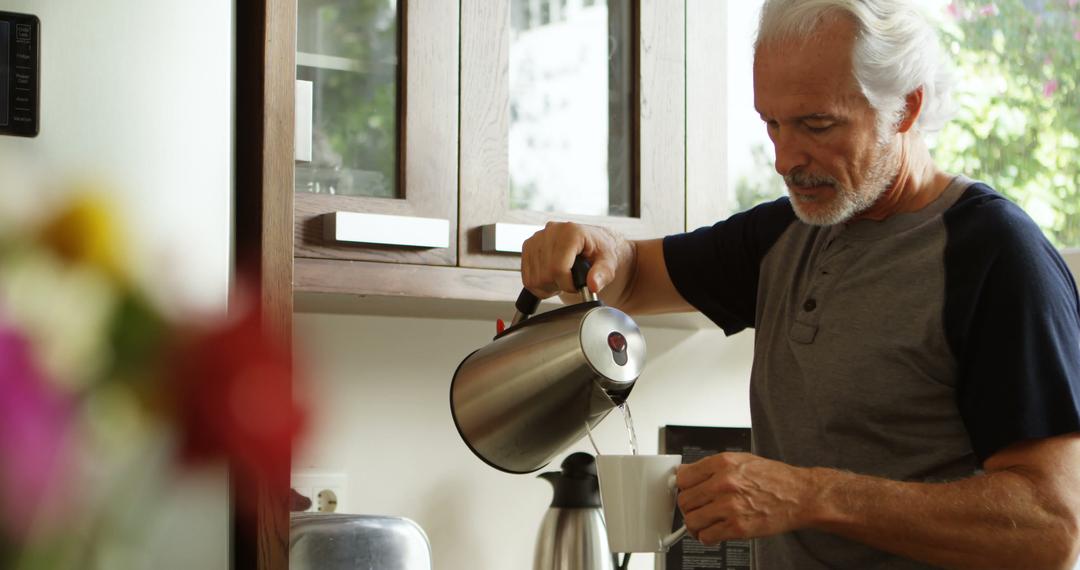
1023,512
630,275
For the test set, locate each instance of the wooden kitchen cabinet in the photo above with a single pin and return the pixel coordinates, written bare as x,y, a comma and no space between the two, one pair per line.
526,97
451,163
454,146
377,122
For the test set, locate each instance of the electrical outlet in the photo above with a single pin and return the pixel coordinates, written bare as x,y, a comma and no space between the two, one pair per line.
328,491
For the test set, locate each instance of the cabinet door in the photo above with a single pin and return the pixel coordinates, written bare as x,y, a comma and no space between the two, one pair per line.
570,110
376,142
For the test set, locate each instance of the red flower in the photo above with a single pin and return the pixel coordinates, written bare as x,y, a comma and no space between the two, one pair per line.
235,401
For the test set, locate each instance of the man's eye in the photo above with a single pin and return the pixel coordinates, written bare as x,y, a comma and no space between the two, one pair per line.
818,128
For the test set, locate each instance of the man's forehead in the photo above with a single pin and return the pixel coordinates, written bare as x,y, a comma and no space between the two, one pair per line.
829,48
801,92
832,27
832,116
795,79
803,108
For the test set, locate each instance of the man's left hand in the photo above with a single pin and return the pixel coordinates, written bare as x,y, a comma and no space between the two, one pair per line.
739,495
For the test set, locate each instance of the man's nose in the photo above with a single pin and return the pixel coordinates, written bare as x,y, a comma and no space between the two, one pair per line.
790,153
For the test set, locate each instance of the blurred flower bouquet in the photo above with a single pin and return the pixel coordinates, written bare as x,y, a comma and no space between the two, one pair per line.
105,396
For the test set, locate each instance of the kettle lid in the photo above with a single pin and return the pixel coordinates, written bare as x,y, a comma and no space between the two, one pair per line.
576,486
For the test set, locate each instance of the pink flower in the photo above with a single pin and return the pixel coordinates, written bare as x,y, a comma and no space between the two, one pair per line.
33,423
1050,87
989,10
953,10
1073,3
1076,35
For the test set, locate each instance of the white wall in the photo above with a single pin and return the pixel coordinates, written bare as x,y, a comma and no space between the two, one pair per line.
138,95
379,387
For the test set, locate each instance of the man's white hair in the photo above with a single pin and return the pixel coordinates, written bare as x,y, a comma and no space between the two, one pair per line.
896,51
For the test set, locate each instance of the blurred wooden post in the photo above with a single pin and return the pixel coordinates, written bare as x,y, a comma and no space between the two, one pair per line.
265,76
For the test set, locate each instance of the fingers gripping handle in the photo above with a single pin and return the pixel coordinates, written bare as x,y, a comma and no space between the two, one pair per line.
527,303
579,274
671,539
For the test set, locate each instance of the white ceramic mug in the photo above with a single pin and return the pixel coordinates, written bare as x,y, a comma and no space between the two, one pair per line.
638,496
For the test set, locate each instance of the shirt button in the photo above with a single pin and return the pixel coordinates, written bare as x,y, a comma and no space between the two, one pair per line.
809,305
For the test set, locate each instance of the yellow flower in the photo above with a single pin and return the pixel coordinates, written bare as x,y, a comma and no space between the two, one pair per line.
85,232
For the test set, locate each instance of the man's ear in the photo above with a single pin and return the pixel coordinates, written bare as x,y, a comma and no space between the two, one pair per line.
912,108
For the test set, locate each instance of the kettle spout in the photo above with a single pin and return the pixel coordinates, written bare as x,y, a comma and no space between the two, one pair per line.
617,397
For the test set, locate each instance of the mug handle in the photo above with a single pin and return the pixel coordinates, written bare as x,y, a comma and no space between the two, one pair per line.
669,540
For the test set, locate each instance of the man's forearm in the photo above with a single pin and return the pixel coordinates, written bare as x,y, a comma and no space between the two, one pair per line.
642,285
619,292
988,521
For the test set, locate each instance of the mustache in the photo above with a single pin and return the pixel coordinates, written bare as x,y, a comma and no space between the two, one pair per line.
800,179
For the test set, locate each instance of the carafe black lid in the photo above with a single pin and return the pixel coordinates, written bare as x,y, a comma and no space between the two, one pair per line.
576,486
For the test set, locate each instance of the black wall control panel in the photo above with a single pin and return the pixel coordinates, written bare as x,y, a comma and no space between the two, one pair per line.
19,74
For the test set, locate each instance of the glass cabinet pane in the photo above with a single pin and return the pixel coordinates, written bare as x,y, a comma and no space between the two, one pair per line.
571,106
348,49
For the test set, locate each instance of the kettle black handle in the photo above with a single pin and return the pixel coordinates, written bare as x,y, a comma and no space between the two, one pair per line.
527,303
579,272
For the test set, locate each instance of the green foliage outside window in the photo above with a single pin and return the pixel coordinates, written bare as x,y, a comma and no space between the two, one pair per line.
1018,121
355,131
1018,126
760,183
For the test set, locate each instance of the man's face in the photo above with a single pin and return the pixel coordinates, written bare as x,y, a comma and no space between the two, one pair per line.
822,127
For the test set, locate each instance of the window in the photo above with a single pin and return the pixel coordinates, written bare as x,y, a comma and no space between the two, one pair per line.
571,110
349,52
750,152
1018,126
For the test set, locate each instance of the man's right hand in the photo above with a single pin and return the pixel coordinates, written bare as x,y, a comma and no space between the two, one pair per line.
547,256
630,275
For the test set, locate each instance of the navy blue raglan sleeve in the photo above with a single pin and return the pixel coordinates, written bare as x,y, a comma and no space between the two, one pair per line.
1012,320
715,268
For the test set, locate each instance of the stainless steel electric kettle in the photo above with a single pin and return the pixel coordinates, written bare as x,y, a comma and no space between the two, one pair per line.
530,393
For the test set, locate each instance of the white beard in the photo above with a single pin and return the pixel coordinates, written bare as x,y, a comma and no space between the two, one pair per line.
846,202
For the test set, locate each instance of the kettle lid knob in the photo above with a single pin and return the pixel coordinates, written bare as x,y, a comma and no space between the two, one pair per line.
576,486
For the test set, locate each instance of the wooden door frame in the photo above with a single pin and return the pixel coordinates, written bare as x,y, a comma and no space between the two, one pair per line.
263,217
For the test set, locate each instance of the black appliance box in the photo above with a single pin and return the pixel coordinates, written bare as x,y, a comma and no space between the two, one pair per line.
694,443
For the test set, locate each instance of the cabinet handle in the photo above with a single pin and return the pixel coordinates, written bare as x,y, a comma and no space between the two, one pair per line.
302,129
385,229
506,238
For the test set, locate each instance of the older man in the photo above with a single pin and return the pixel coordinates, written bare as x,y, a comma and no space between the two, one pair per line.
915,393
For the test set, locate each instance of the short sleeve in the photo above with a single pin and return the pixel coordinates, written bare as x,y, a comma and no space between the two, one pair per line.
1012,321
716,268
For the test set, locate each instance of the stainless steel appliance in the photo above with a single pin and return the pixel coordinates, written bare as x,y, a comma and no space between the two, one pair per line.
531,392
322,541
572,534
